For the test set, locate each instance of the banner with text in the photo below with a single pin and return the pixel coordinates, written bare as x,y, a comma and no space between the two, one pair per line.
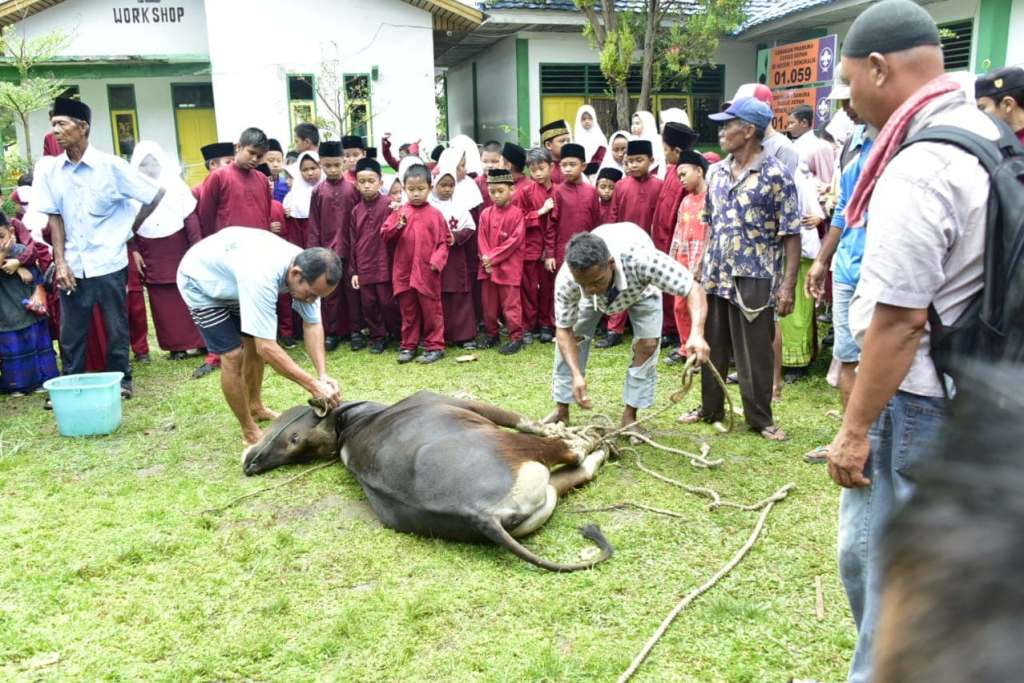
786,101
803,63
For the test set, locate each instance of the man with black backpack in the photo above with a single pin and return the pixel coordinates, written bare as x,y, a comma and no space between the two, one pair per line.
924,252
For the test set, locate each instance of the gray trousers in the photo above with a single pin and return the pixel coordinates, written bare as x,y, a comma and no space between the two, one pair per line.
645,316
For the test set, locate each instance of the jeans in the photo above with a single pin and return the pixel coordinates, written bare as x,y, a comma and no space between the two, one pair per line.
902,438
110,292
844,348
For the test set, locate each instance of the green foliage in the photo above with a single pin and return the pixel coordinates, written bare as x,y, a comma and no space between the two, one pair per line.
691,41
617,55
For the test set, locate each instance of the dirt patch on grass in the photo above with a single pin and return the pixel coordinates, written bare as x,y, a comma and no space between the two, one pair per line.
333,505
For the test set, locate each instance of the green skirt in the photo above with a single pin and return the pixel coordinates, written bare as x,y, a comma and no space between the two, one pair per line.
798,326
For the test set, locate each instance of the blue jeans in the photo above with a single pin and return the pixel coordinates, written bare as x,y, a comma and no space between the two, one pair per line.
902,439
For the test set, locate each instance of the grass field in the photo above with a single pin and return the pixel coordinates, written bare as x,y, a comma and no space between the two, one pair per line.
109,572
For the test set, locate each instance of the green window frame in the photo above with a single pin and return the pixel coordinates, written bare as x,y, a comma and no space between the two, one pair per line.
357,91
124,118
300,109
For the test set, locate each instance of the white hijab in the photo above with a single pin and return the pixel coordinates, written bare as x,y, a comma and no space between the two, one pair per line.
650,132
455,214
674,115
593,139
403,166
609,158
465,145
177,204
467,192
296,202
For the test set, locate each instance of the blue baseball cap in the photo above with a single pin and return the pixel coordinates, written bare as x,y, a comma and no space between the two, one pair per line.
749,109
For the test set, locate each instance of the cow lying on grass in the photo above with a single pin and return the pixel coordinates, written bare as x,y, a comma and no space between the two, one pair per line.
441,467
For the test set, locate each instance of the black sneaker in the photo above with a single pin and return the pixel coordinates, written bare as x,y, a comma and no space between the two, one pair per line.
670,340
143,358
512,347
331,342
611,339
177,355
288,342
674,358
527,338
378,346
470,346
547,335
406,356
430,357
357,342
203,370
487,342
126,390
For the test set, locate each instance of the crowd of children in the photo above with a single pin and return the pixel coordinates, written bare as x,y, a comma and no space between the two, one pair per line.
448,251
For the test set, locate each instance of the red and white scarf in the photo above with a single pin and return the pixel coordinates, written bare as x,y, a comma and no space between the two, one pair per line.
888,143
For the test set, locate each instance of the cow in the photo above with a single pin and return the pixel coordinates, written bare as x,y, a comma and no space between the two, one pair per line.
442,467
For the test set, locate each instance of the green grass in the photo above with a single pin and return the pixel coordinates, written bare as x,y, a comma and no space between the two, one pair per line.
110,573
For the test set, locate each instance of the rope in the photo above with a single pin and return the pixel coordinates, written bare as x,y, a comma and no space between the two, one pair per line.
768,503
238,499
625,505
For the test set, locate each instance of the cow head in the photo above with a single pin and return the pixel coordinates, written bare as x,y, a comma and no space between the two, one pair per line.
302,434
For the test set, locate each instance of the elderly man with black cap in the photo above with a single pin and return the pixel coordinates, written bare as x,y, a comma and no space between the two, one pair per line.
924,249
754,232
88,195
1000,93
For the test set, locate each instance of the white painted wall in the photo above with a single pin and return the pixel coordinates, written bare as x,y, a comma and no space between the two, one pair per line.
740,60
250,87
460,100
152,102
496,92
1015,46
97,33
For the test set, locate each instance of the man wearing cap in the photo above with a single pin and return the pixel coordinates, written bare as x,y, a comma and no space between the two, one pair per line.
754,228
87,194
1001,93
615,268
924,248
553,136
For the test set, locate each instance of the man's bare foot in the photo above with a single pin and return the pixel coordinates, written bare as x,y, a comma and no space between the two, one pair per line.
263,414
773,433
252,436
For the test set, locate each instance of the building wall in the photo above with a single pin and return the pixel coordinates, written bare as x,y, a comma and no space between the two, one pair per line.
1015,47
152,102
250,87
99,27
460,100
496,92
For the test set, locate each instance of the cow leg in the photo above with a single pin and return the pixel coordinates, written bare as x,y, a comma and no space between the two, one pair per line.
500,416
568,478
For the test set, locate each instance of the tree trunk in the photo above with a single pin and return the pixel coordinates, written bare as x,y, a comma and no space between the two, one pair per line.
622,108
28,139
647,70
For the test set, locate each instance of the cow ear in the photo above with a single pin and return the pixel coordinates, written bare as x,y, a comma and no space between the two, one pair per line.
320,407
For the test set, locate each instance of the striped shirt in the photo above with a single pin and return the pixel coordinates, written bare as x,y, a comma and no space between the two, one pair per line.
640,271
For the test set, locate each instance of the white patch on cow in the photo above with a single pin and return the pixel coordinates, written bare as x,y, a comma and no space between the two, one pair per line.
593,462
344,455
538,518
529,494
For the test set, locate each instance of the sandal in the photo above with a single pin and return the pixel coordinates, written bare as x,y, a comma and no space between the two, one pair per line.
817,456
773,433
690,418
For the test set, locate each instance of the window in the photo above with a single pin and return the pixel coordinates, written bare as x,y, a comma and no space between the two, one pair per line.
301,99
357,105
956,39
192,96
124,118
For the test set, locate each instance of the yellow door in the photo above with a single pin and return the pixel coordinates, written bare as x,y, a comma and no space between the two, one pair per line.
196,127
560,107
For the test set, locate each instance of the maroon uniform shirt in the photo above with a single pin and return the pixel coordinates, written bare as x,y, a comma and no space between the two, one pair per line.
421,249
366,255
231,196
577,209
500,236
530,198
634,200
330,209
666,211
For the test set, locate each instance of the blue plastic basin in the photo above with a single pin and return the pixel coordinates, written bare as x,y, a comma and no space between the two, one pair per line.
88,404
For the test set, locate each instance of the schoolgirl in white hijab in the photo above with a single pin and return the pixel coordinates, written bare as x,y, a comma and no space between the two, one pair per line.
587,132
467,193
644,126
609,160
296,202
149,160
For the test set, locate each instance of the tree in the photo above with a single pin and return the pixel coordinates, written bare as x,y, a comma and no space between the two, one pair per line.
31,92
612,35
679,37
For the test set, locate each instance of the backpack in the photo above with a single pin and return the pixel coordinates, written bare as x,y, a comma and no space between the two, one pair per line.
991,328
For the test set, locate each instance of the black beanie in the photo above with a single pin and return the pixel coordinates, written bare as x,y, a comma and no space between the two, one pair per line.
890,26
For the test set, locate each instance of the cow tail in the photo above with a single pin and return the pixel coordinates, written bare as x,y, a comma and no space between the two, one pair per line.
500,535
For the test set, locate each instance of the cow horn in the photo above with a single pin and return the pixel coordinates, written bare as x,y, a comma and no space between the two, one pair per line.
320,407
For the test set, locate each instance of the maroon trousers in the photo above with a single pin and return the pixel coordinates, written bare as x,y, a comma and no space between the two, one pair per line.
529,292
175,330
617,322
422,319
379,310
668,319
459,317
334,313
506,300
546,308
